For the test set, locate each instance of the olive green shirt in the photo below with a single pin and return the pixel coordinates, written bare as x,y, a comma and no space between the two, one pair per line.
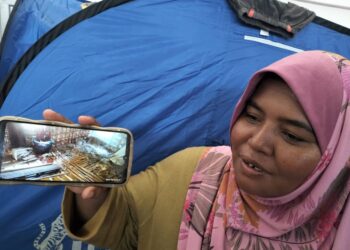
144,214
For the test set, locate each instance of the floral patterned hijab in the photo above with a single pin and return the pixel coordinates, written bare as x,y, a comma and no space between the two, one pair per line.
218,215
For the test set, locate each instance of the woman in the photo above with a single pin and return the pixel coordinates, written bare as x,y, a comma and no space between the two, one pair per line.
283,183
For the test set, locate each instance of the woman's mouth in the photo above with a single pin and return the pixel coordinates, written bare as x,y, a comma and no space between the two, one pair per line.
251,167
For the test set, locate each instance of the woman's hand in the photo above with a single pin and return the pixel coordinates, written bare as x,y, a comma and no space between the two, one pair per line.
88,199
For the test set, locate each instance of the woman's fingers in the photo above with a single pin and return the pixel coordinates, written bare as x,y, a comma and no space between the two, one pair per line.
89,192
94,193
51,115
75,189
87,120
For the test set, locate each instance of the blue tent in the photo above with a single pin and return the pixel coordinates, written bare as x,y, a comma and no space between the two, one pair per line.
170,71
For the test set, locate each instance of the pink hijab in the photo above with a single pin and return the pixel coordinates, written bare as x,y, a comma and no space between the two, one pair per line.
218,215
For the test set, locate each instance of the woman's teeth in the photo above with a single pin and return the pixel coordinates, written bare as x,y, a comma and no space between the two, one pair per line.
254,167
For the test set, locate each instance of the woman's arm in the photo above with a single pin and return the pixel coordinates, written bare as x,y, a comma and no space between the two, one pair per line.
96,214
87,199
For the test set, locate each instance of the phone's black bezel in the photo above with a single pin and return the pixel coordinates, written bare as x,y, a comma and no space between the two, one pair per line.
129,151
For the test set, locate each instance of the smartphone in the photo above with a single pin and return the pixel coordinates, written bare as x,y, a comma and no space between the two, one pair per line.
53,153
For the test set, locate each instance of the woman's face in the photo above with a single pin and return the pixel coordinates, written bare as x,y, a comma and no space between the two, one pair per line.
274,148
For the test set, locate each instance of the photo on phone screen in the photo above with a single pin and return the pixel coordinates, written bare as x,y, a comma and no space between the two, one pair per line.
49,153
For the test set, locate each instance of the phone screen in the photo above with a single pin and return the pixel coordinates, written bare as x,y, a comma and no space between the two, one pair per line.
49,153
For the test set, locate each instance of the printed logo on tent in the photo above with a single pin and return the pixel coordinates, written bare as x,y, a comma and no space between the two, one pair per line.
54,239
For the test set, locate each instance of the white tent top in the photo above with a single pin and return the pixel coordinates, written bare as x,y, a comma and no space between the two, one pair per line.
336,11
5,10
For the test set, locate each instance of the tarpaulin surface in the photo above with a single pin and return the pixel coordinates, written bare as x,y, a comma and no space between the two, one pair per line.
170,71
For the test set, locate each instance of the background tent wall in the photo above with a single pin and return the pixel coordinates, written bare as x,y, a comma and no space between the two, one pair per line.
337,11
28,22
172,73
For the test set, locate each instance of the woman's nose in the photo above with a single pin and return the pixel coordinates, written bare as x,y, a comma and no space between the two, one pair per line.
261,139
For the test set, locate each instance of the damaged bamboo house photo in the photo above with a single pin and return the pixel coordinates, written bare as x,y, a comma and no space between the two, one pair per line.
38,152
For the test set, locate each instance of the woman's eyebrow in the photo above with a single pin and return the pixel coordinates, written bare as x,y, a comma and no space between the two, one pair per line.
292,122
253,104
298,124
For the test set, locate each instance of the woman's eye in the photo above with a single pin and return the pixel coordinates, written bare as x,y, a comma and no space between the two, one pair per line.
292,138
251,117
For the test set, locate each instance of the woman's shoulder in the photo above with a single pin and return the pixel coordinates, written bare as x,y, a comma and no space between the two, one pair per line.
184,160
189,152
179,165
202,151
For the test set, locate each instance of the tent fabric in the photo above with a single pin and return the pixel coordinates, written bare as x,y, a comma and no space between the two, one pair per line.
48,37
170,71
29,21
